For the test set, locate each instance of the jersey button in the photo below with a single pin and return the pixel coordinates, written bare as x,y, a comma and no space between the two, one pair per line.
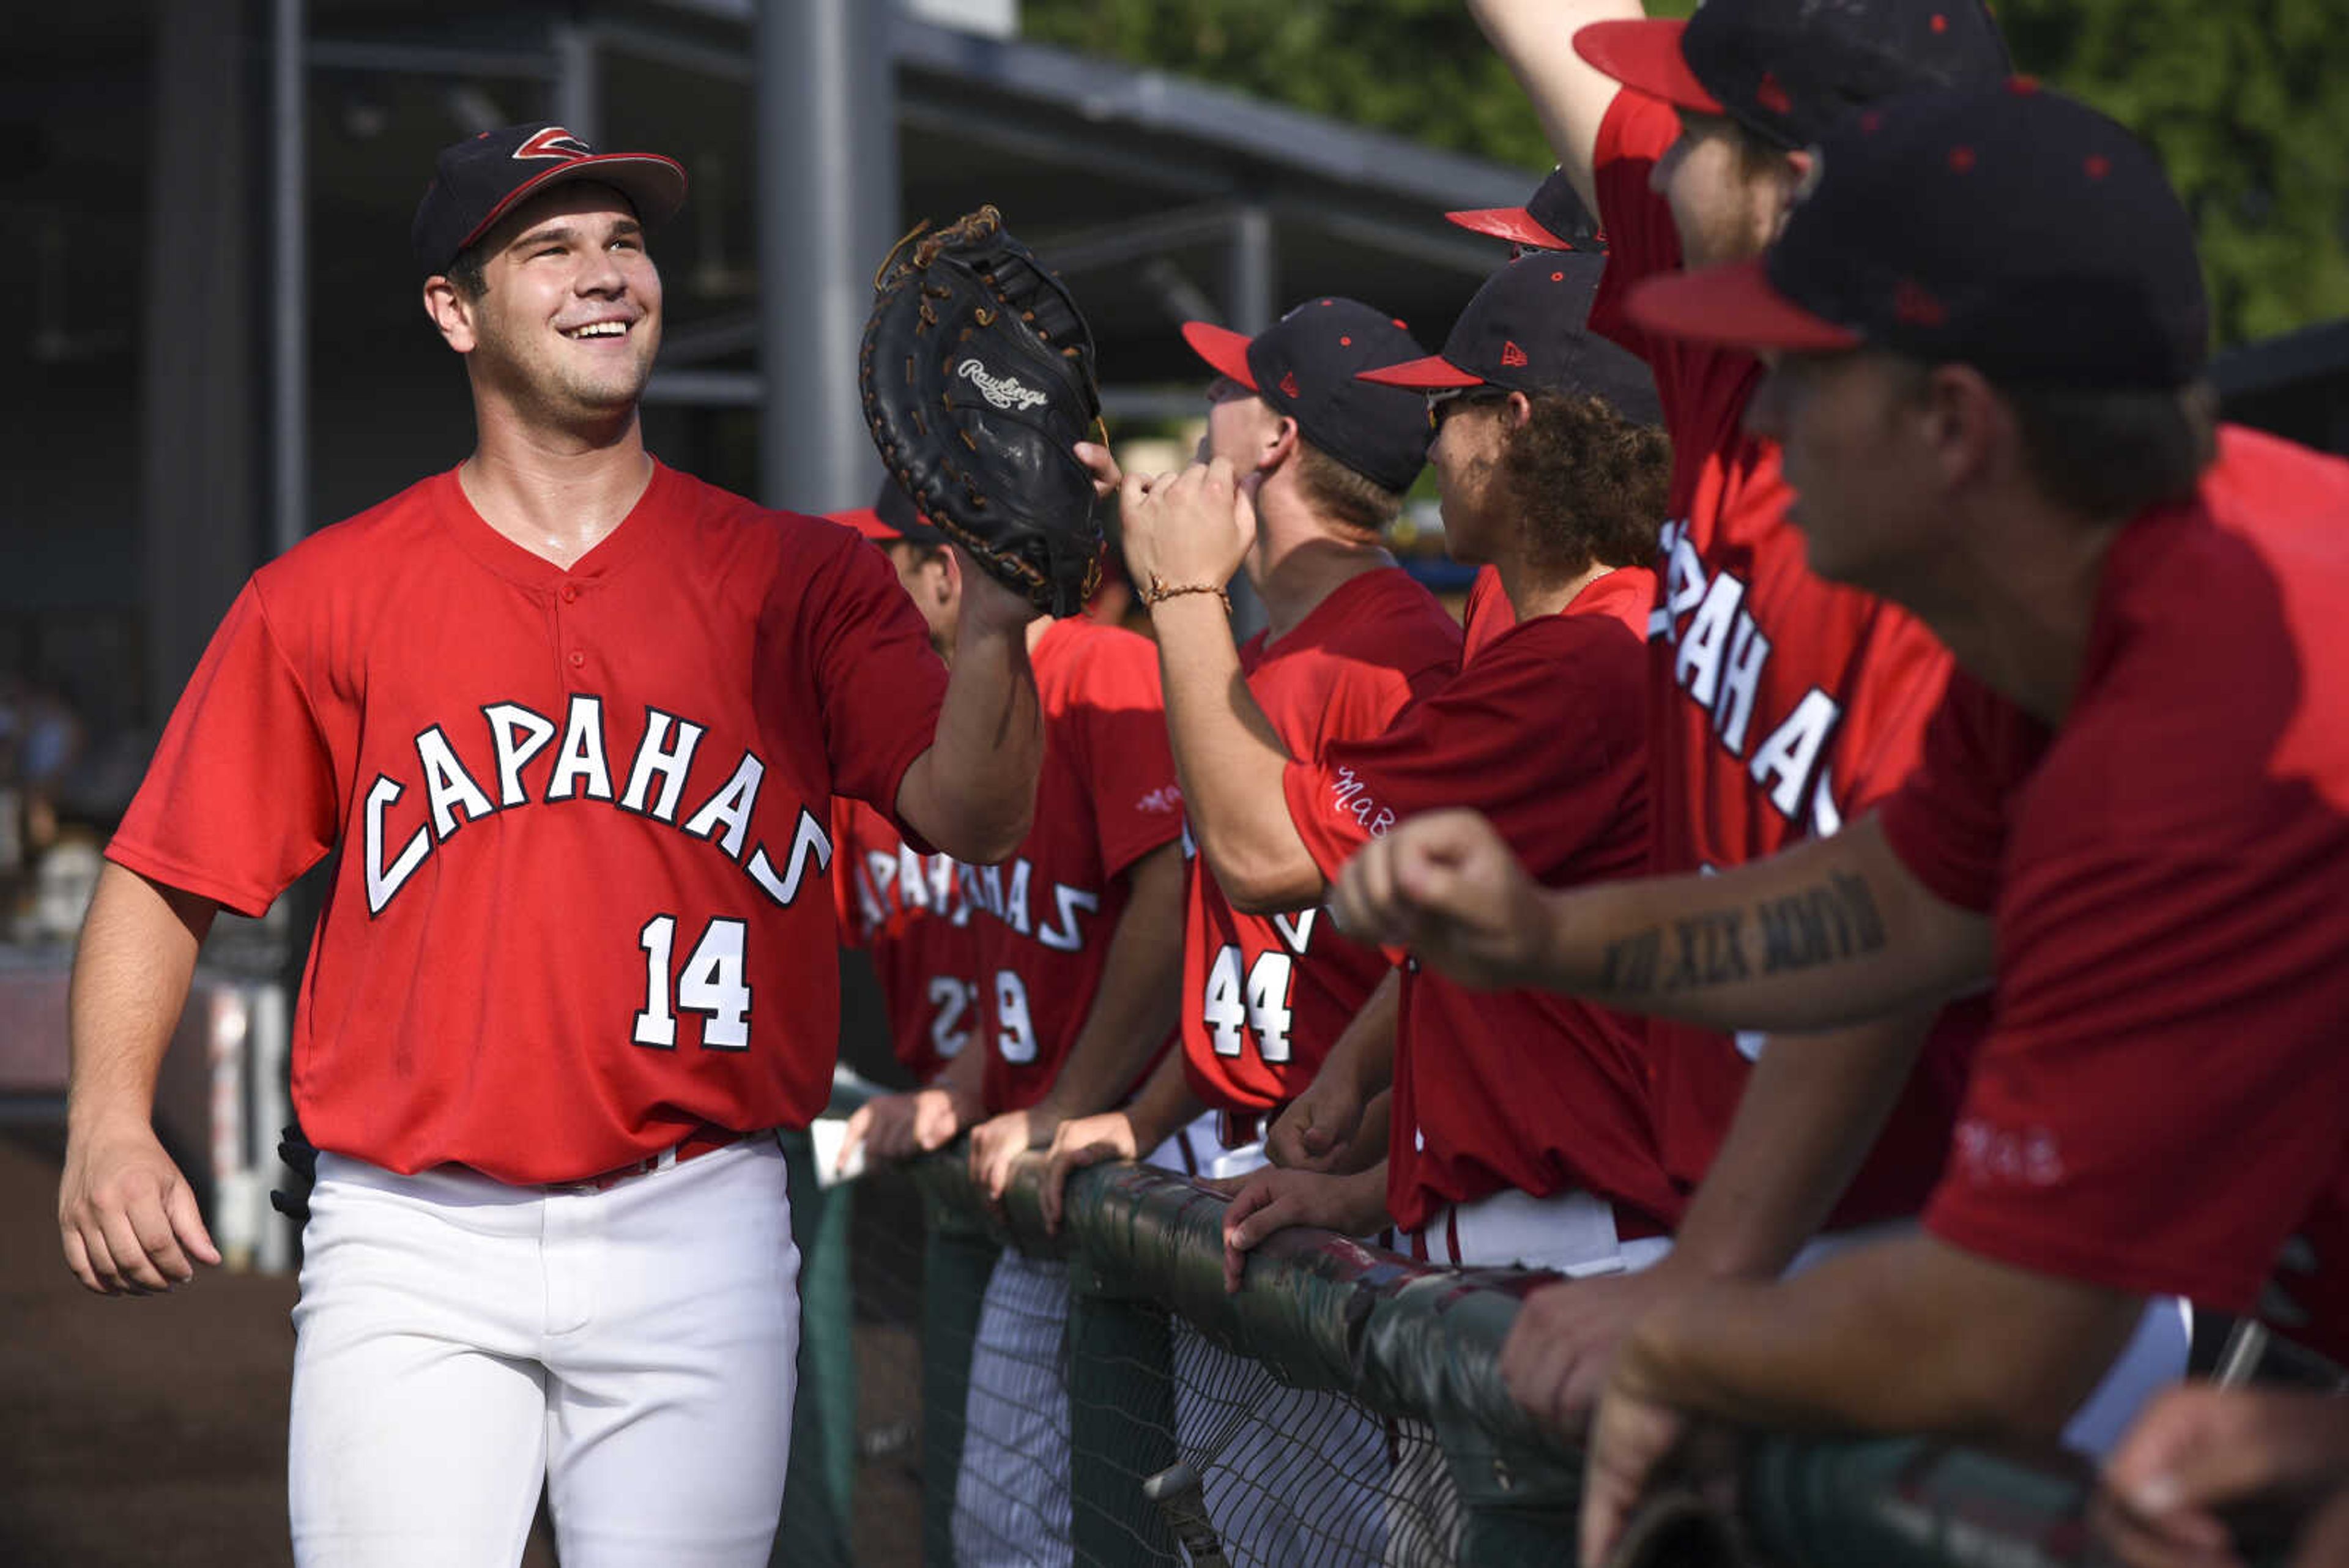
570,592
577,659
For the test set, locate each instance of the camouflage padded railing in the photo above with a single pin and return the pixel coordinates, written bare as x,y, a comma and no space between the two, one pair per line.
1414,1342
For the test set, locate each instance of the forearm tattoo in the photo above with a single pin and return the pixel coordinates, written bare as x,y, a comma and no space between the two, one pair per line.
1832,922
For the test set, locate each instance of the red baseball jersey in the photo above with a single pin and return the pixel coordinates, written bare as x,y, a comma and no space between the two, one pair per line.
905,910
2163,1105
583,903
1779,704
1543,731
1041,922
1266,996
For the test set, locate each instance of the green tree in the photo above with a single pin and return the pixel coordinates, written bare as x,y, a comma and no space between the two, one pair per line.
2243,98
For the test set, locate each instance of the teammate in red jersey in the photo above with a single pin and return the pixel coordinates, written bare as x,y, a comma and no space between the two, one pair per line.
1079,938
2131,817
574,722
1778,704
1352,640
904,907
1519,1129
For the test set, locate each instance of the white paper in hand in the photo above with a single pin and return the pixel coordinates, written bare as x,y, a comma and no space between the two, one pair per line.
825,1136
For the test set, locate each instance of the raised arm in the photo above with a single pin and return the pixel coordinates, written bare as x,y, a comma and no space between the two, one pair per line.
127,1215
1194,529
973,793
1831,932
1536,38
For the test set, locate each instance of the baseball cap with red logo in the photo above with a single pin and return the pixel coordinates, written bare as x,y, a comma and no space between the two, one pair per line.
1306,365
1525,331
481,179
1553,219
2009,228
1789,71
890,520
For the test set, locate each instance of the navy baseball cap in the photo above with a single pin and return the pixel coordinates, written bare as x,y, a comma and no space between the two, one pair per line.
1305,365
483,178
1789,71
2012,229
1552,219
1526,331
890,519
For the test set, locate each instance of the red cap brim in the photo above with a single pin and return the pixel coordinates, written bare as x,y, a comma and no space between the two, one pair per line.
1734,306
1644,54
1514,225
867,521
1223,348
1433,374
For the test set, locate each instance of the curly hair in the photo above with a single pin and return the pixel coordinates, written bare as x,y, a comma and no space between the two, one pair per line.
1588,486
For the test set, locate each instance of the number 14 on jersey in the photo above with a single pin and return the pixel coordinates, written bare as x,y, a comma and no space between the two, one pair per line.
711,984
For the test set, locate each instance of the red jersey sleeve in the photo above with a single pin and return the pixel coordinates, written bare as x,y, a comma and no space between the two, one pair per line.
1465,742
1136,803
881,682
241,797
2163,1095
1947,822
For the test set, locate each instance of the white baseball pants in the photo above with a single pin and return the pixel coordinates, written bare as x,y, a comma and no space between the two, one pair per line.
459,1341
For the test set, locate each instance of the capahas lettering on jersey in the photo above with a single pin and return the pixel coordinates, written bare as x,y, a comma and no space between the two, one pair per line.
1003,391
1002,891
655,788
1719,658
1351,795
894,882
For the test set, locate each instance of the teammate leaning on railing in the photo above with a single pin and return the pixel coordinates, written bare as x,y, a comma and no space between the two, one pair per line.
1780,705
1986,325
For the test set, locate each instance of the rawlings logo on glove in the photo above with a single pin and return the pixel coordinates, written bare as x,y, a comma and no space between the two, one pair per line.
976,374
1004,392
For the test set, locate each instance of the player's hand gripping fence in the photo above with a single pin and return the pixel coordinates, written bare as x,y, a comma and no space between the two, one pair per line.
1170,1457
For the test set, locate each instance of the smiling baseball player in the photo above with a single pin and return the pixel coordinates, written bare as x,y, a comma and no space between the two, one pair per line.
575,723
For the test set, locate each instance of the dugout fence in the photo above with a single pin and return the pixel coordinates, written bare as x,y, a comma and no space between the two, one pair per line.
1329,1337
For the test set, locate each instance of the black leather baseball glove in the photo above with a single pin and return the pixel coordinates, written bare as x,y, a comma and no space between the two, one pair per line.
977,375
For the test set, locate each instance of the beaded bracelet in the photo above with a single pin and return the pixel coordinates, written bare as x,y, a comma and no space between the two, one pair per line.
1158,593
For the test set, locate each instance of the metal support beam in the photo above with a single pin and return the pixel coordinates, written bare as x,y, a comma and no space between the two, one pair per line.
1250,309
578,81
289,337
827,182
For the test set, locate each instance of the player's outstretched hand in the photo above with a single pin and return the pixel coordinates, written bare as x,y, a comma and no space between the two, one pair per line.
1270,1201
1561,1349
1316,1130
1446,886
1630,1437
899,1127
2197,1450
1191,528
996,1143
128,1217
1079,1142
